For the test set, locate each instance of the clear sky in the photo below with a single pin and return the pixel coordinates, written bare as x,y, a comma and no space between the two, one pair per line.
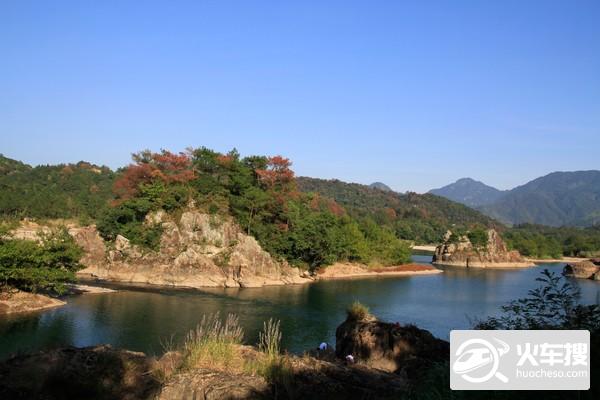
414,94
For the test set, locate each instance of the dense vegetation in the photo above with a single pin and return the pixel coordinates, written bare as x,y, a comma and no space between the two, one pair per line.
33,266
548,242
305,220
261,193
79,190
420,218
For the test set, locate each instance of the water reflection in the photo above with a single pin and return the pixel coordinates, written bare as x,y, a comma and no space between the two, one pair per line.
141,319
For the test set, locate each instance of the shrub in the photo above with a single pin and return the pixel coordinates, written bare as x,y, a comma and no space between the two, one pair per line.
34,266
357,311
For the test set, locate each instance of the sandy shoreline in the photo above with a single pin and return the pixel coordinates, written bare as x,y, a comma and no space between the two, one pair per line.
556,260
429,248
504,265
349,271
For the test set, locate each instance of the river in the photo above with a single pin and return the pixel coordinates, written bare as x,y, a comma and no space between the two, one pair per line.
147,319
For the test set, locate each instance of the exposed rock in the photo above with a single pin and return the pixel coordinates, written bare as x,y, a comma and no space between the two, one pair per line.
213,385
405,350
462,253
16,301
197,250
583,270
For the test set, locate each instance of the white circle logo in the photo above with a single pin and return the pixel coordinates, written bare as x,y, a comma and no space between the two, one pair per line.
478,360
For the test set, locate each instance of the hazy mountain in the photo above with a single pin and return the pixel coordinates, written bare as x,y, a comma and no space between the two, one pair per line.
470,192
560,198
381,186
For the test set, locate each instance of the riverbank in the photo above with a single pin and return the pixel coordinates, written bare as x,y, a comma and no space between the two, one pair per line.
486,265
556,260
348,271
14,301
428,248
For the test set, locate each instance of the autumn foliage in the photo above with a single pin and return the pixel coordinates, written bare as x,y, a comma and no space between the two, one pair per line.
165,167
260,193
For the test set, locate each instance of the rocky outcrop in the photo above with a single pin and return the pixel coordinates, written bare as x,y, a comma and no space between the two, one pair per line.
101,372
196,250
16,301
462,253
401,349
583,270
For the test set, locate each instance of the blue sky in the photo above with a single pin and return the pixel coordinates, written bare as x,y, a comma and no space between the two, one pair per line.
414,94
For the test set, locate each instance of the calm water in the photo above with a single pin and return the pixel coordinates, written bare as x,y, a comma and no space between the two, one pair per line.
143,319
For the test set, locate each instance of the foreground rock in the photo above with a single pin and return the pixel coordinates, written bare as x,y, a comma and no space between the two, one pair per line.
78,373
583,270
196,250
15,301
494,254
101,372
404,350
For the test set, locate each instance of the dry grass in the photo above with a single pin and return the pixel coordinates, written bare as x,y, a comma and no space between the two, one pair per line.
269,340
357,311
213,343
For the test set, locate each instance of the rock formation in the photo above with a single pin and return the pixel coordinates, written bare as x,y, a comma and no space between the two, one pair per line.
462,253
583,270
196,250
17,301
404,350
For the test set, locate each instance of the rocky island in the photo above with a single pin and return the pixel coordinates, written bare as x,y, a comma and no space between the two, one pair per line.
492,252
588,269
196,250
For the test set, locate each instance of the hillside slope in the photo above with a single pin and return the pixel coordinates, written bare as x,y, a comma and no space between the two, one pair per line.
53,191
557,199
420,217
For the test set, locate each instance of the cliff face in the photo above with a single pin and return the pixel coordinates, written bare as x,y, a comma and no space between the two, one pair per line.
196,250
495,254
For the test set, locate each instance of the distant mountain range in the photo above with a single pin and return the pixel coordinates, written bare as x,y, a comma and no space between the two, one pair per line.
557,199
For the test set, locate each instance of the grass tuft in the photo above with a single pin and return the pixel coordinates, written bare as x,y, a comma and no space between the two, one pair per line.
213,343
357,311
269,340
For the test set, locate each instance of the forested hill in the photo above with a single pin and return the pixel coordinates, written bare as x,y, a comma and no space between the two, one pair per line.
470,192
420,217
79,190
557,199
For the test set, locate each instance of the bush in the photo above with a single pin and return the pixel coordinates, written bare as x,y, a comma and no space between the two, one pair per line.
128,220
34,266
357,311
